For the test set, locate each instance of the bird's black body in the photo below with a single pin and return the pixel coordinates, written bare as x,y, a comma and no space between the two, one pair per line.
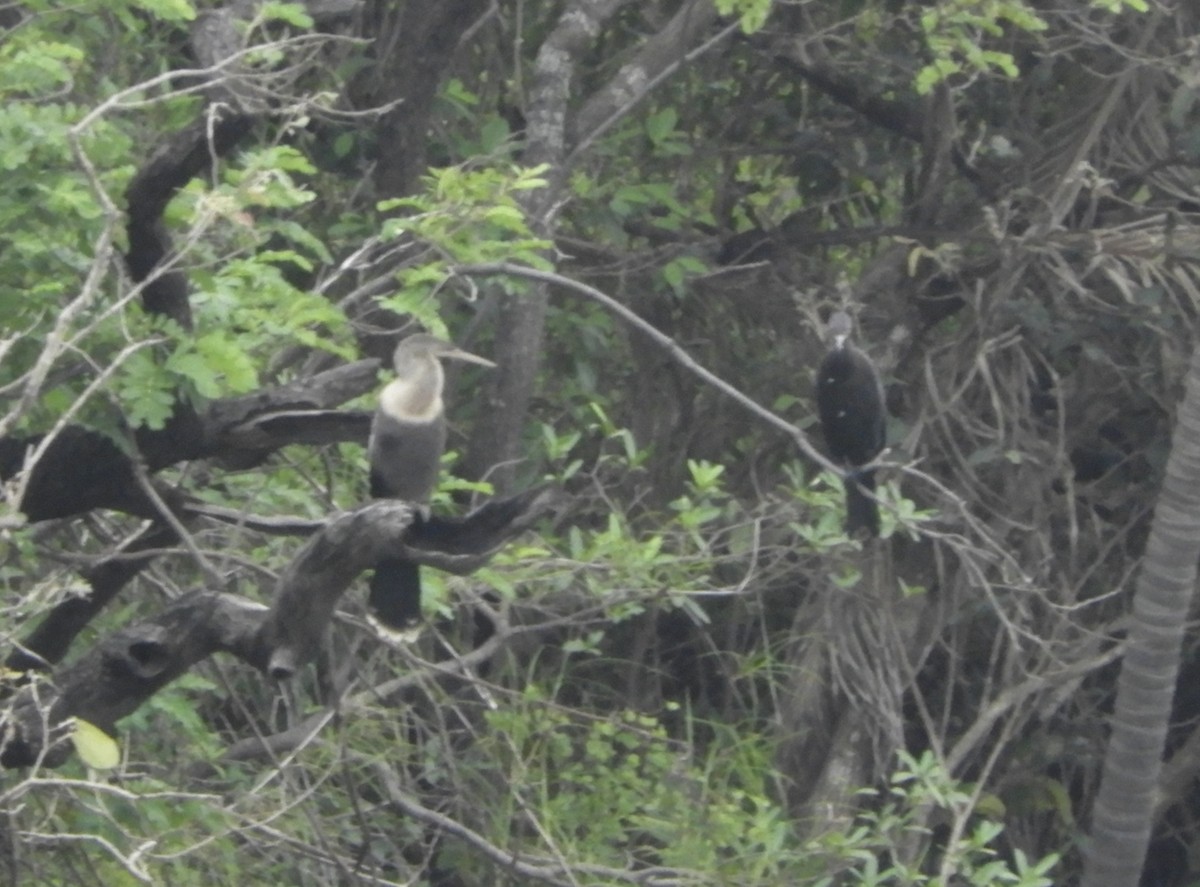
850,404
408,436
405,457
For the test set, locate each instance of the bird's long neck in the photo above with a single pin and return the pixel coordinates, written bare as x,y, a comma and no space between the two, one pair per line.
415,395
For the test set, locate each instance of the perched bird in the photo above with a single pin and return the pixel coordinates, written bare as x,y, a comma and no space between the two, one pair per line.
850,404
408,436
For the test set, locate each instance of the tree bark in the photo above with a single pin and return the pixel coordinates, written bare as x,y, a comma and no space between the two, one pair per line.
81,469
495,449
415,49
1122,817
124,669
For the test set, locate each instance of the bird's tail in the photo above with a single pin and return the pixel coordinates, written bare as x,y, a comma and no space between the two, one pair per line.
861,510
395,599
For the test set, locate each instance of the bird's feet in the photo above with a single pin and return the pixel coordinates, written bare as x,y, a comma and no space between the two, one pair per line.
396,637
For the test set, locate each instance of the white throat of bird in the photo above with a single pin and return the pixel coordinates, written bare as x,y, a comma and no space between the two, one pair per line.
416,397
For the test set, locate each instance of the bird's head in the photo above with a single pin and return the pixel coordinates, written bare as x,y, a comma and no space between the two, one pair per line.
423,348
839,328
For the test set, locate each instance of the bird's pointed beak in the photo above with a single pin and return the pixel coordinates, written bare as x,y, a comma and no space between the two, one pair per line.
467,356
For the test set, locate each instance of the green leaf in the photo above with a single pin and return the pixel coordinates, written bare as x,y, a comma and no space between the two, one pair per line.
507,217
146,391
168,10
195,369
344,144
493,135
752,14
292,13
228,360
661,125
95,747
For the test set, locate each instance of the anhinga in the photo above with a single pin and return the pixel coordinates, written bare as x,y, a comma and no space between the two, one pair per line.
850,403
408,436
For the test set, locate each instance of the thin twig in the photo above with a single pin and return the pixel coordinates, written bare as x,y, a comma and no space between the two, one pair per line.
662,339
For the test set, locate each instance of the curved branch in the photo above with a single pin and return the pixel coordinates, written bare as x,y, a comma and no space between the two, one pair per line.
668,344
83,469
542,869
182,156
127,667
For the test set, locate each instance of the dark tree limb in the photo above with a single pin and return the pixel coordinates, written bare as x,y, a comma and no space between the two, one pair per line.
180,158
416,43
266,433
83,469
49,642
126,668
243,431
355,541
321,391
79,470
185,154
269,525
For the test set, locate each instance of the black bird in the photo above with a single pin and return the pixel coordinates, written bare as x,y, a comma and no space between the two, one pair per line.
408,436
850,403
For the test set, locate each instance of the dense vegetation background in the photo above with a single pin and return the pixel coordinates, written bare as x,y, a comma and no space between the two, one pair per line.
218,218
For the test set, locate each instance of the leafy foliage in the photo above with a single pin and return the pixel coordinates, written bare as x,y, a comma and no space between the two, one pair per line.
955,32
692,675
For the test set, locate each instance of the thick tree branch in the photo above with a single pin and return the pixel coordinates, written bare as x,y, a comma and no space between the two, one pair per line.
49,642
126,668
657,59
83,469
415,43
180,158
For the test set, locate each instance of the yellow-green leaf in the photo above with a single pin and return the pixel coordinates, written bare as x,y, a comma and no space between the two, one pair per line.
95,747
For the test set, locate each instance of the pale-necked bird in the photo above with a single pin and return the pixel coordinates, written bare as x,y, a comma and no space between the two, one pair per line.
408,437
